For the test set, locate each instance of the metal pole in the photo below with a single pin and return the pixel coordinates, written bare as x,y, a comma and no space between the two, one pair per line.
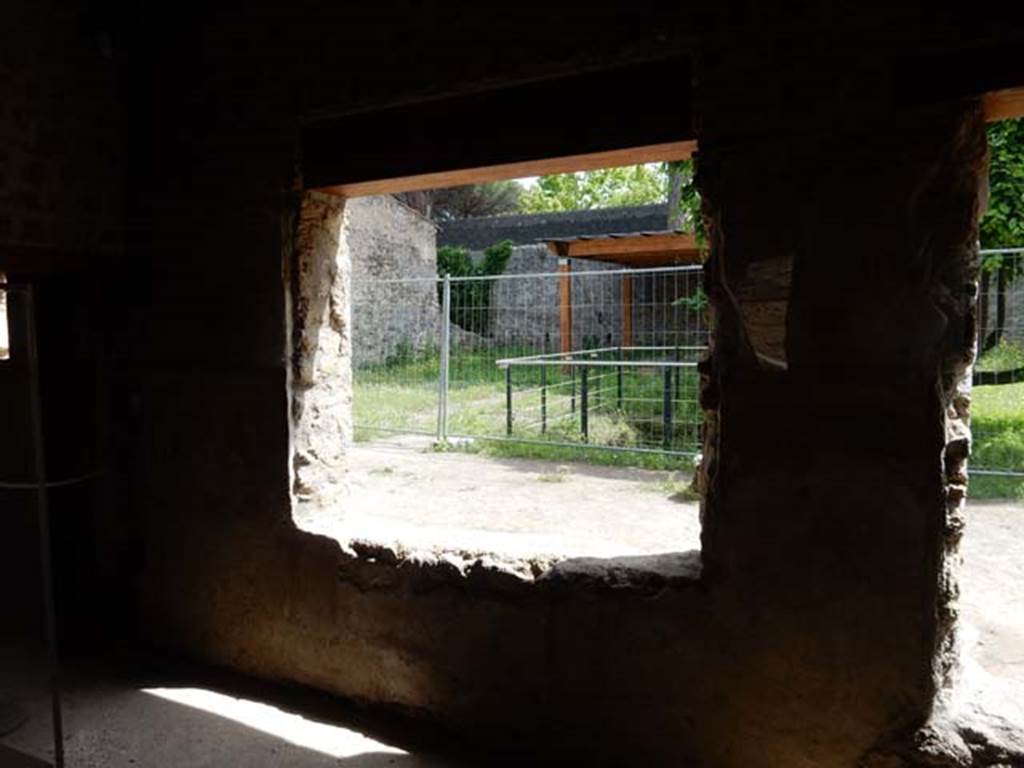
584,426
666,410
618,399
678,377
508,401
442,384
544,391
45,552
572,384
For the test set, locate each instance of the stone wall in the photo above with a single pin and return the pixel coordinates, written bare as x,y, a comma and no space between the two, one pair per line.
525,311
1015,312
321,379
60,162
1014,321
62,229
395,301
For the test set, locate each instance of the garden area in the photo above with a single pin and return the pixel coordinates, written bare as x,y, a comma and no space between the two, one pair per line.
997,421
400,395
625,407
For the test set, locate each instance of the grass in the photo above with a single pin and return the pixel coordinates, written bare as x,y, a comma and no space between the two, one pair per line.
995,487
401,394
997,422
1005,356
679,487
565,453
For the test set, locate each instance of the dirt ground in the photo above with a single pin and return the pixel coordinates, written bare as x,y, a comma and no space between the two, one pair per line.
403,493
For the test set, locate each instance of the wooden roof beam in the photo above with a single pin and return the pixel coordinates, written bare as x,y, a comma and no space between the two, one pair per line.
608,247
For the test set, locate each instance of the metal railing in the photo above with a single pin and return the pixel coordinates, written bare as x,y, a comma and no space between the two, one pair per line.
606,357
594,357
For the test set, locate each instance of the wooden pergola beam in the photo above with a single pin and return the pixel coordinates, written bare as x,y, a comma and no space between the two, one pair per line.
616,248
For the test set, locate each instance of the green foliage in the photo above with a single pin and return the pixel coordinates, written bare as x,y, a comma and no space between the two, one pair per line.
1005,356
496,258
1003,223
405,398
629,185
683,199
605,188
695,302
471,300
463,202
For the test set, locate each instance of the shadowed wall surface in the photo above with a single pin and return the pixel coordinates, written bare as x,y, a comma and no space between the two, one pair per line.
819,625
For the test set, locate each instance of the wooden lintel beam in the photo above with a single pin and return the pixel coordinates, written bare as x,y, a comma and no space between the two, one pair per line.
676,150
1002,105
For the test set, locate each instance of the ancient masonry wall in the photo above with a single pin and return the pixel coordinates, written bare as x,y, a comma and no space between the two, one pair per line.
62,228
393,253
321,362
525,311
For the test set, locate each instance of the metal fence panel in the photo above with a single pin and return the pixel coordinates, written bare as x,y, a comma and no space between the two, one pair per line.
606,358
626,341
997,401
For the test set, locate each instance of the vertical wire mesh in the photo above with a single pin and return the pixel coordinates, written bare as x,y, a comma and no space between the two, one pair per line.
635,338
997,402
652,322
396,355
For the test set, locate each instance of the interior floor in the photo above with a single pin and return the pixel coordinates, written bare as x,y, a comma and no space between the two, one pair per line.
178,715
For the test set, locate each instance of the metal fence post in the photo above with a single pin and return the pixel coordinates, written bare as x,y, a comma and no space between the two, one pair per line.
618,398
544,391
584,426
678,371
666,411
508,401
442,383
572,384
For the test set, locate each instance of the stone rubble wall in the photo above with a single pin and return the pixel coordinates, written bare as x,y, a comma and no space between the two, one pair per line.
321,372
1015,312
526,311
391,242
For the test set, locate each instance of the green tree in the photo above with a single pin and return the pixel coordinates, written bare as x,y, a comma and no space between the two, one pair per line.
464,202
471,299
683,199
605,188
1002,226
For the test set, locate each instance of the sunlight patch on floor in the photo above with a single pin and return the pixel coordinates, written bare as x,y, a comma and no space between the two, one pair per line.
320,737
